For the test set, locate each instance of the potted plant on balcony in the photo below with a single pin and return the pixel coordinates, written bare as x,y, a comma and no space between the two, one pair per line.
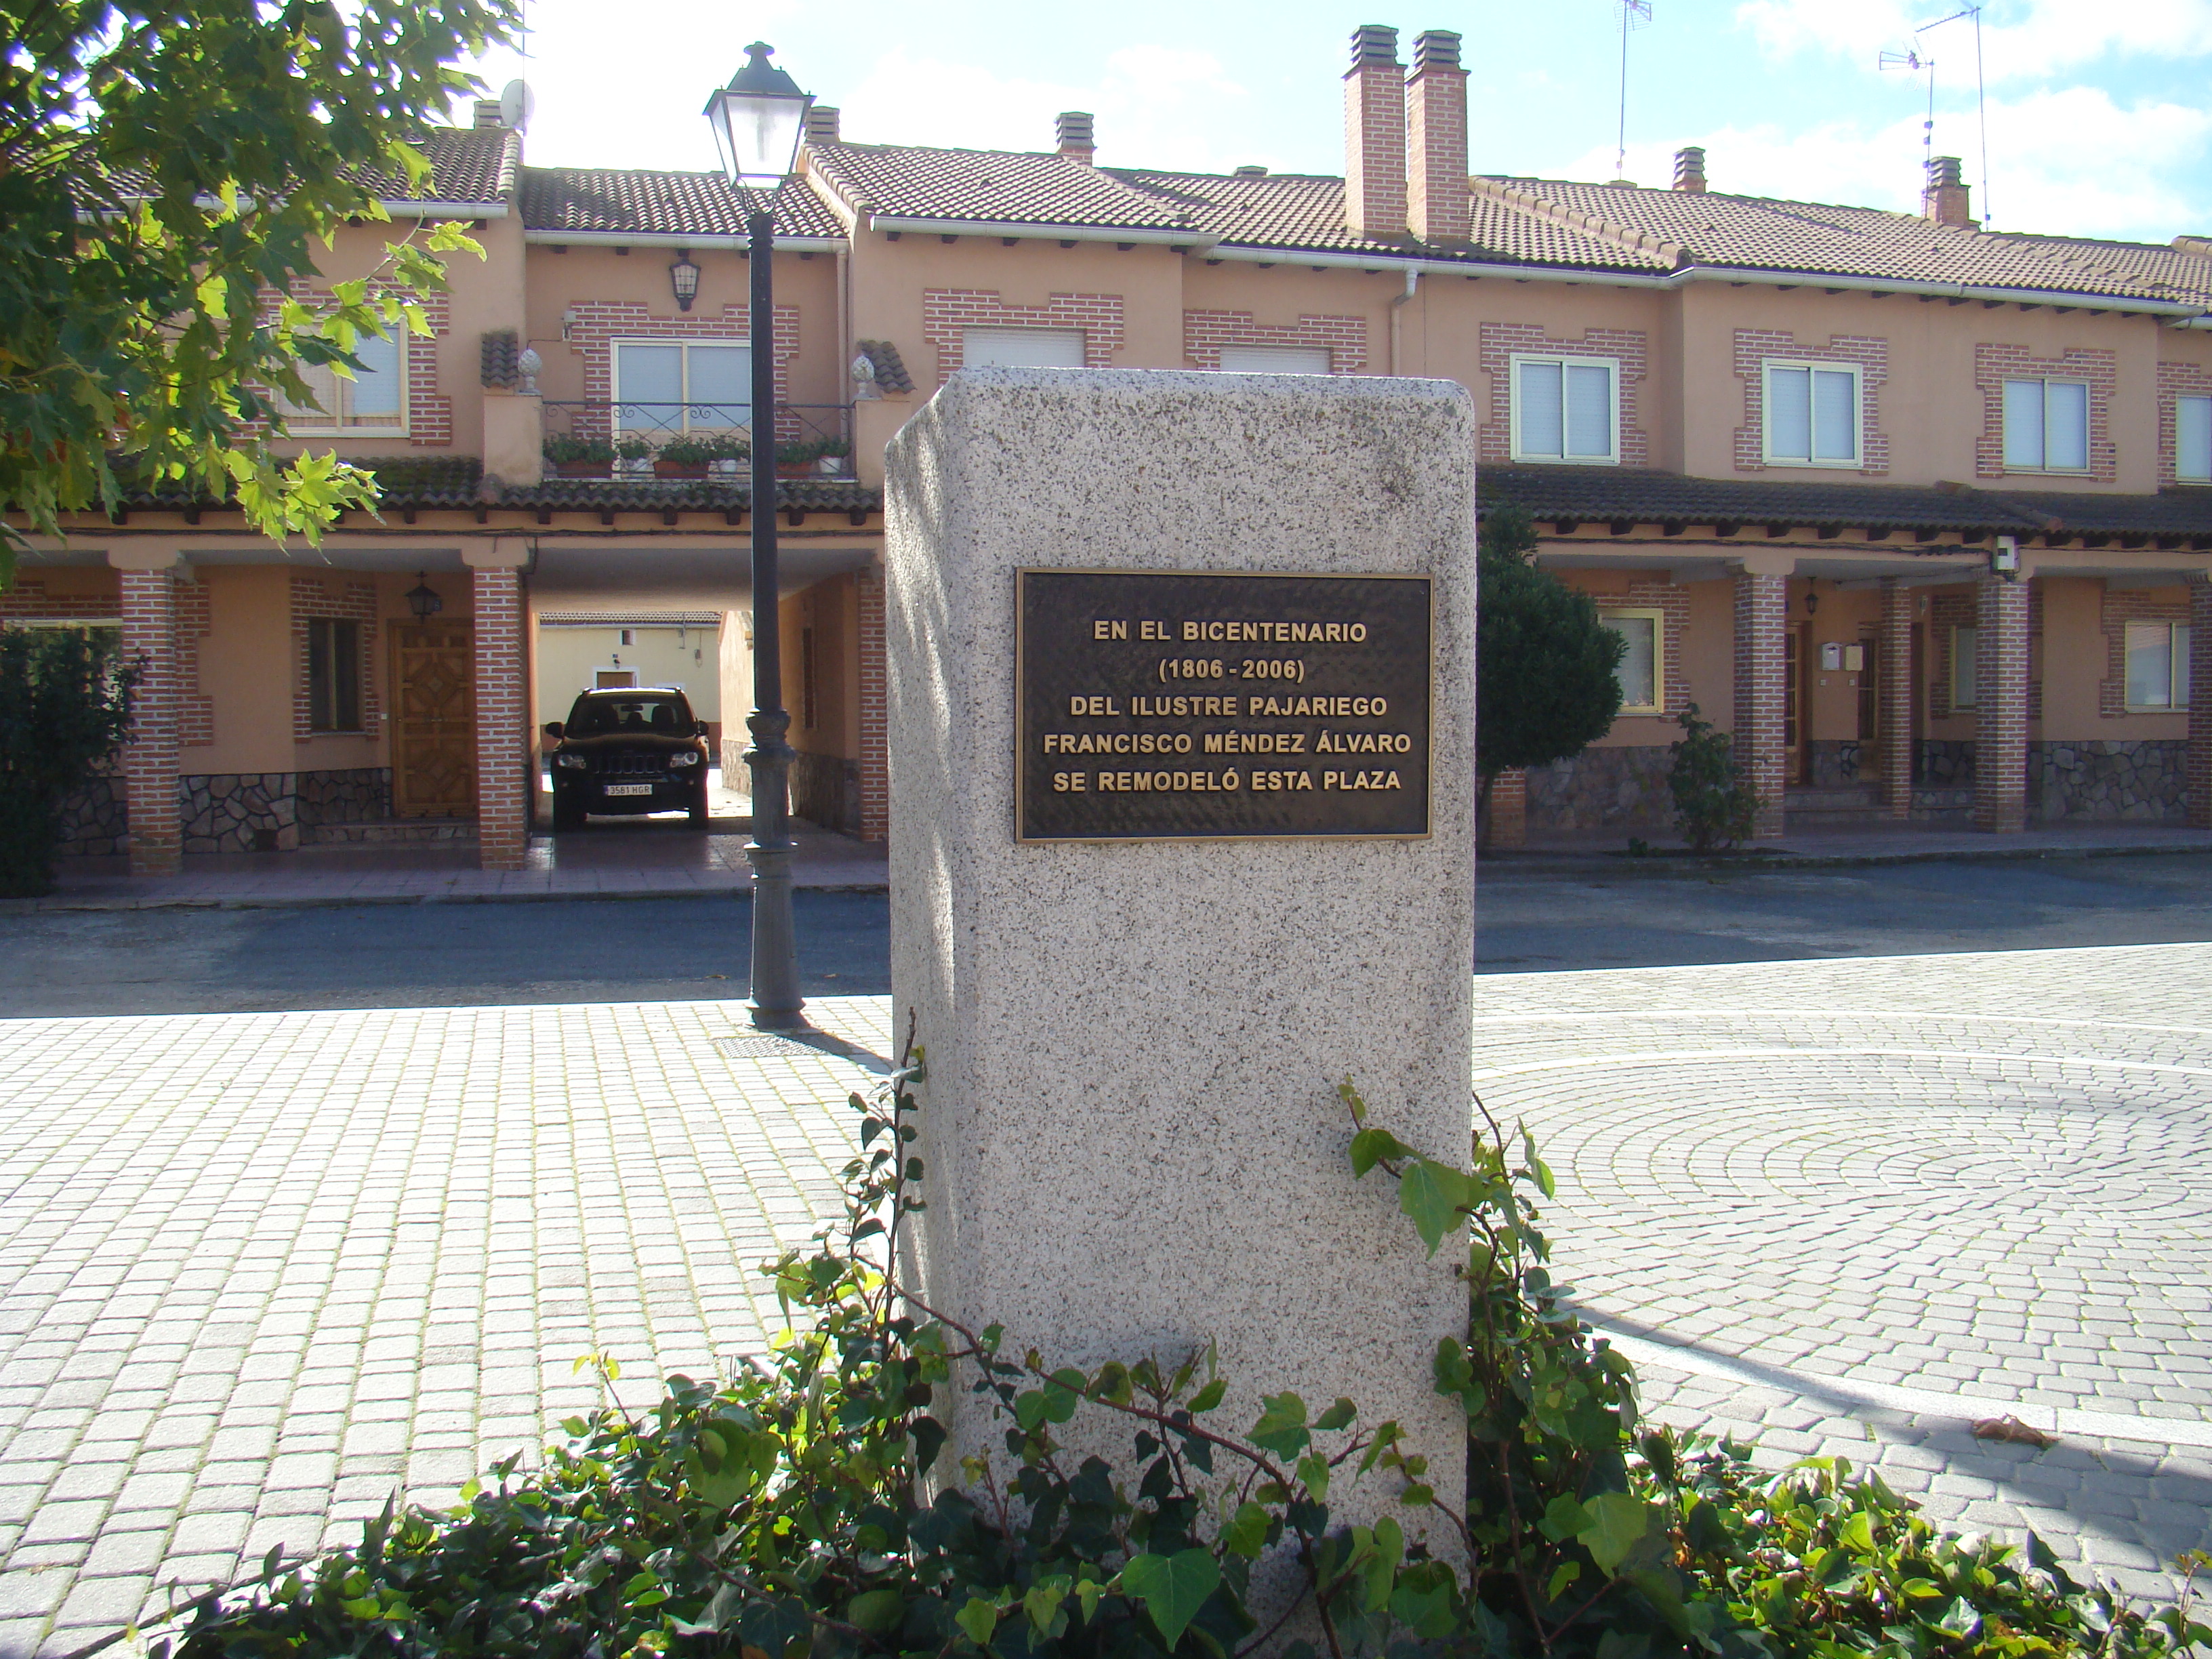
727,454
796,459
683,457
834,458
580,458
633,455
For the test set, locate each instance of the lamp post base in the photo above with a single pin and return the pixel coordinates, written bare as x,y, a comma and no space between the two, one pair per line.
774,1003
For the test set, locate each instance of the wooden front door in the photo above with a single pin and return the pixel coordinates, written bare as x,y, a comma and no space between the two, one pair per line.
433,728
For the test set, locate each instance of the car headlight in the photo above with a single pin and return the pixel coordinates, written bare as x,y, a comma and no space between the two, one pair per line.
690,758
573,762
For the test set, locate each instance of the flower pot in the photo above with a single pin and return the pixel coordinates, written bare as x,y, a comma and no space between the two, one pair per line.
583,469
795,469
679,469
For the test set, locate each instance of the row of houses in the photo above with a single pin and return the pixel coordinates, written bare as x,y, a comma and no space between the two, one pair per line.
1922,511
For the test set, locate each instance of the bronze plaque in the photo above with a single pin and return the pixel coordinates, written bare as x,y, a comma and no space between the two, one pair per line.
1167,707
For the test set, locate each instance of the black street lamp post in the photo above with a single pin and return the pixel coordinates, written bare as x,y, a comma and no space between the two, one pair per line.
757,119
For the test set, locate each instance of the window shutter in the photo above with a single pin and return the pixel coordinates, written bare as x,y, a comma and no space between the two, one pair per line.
721,391
649,384
2151,666
1835,416
1022,348
1589,411
375,392
2023,424
1638,669
2066,425
1790,414
1538,408
2192,439
1965,687
1274,360
2182,635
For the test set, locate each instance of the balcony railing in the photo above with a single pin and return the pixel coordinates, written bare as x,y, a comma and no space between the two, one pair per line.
603,438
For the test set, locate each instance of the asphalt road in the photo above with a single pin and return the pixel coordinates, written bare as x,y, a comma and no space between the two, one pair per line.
150,962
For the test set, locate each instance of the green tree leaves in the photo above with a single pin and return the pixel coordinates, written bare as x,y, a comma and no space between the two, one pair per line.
1546,686
1172,1588
64,707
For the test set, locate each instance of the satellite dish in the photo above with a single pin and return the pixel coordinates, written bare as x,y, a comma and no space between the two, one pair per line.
517,104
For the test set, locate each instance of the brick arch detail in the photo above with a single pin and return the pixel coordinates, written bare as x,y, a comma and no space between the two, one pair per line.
1500,342
946,313
1206,333
2176,380
1994,364
599,323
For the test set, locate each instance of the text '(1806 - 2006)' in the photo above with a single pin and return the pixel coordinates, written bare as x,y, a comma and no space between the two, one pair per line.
1158,707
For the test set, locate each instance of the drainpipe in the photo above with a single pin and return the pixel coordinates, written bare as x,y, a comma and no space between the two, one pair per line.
1397,306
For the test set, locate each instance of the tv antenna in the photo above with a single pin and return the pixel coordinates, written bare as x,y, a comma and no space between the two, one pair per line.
1634,15
1981,95
1913,59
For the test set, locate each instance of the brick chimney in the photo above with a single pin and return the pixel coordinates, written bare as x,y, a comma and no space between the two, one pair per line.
1374,135
822,124
1072,131
1944,199
488,112
1437,208
1690,170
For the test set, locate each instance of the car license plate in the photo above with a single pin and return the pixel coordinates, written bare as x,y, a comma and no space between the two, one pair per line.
630,789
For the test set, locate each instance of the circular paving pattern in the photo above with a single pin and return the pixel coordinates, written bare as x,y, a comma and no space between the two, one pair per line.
2017,1209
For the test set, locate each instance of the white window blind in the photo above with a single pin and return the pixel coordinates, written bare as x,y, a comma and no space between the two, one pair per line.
373,397
682,385
1274,360
1964,645
2158,664
1812,413
1022,348
2046,426
1564,408
2192,440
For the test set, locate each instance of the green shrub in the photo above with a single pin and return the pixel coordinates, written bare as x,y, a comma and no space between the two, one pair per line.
1715,805
64,707
564,448
799,1510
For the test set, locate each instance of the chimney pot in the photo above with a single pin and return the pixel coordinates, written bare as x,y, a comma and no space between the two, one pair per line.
822,124
1072,131
1375,136
1437,205
488,112
1690,170
1251,170
1945,198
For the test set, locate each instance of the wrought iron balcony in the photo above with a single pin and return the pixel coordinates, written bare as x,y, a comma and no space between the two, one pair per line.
611,438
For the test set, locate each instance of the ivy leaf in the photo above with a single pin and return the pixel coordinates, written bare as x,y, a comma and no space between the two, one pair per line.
1172,1588
1371,1147
1246,1535
876,1610
1857,1534
1617,1521
1041,1602
1960,1619
977,1620
1339,1416
1537,1167
1208,1397
1314,1471
1563,1518
1282,1426
1433,1195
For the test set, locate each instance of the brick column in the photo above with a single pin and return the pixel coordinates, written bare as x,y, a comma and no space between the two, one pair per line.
2001,705
875,775
149,754
502,713
1508,809
1895,691
1762,603
2200,702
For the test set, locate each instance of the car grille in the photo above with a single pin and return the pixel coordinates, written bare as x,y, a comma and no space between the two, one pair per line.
635,766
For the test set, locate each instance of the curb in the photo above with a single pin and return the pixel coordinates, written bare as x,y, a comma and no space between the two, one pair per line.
65,905
1755,862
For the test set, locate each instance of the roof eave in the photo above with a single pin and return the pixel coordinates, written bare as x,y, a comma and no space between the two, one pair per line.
1151,235
1770,278
544,236
1251,253
445,209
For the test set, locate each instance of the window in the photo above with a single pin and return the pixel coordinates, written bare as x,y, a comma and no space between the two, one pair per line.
2046,426
2192,440
333,675
808,685
616,679
1812,414
1962,667
683,385
1640,668
2158,664
1022,348
374,399
1274,360
1566,409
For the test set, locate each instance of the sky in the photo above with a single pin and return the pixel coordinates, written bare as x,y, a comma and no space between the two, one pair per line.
2099,112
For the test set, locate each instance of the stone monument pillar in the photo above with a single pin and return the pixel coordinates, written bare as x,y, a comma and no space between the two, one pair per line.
1182,751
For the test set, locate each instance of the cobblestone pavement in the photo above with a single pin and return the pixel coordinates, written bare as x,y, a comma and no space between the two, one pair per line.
258,1270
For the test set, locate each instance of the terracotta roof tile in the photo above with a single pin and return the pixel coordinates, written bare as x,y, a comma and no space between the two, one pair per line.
1005,186
648,204
467,164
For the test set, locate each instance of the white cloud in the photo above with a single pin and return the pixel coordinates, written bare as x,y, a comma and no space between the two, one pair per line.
2050,36
2070,161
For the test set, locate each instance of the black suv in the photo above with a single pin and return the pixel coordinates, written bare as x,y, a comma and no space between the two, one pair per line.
636,750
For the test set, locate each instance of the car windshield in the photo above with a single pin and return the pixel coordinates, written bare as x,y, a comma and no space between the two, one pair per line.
652,715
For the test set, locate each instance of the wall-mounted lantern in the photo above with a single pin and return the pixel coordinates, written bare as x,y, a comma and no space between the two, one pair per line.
423,599
684,279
